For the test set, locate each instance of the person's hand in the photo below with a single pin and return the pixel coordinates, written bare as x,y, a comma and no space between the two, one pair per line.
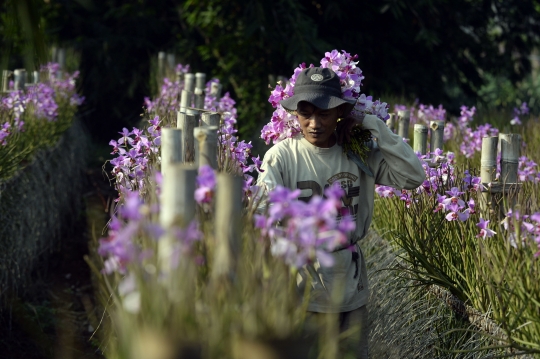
345,126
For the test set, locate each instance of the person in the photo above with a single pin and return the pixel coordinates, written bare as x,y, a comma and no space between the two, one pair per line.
315,160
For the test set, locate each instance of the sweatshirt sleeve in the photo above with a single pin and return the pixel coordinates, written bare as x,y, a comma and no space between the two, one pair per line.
270,178
394,164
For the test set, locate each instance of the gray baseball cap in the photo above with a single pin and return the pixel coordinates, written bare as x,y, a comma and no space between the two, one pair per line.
320,87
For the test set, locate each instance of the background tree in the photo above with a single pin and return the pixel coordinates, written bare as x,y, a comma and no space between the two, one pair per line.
21,33
438,51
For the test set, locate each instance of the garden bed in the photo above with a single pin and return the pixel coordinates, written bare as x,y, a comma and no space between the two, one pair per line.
38,206
409,321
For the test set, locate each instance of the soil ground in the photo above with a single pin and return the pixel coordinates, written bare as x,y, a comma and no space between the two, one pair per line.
53,316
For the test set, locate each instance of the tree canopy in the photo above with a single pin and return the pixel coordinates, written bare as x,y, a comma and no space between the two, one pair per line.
437,50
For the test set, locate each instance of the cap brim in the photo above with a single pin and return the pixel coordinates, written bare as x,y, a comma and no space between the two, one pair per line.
324,102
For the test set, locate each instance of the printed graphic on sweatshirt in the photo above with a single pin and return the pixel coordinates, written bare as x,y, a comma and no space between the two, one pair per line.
346,181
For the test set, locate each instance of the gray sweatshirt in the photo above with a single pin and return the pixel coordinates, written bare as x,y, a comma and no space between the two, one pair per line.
296,163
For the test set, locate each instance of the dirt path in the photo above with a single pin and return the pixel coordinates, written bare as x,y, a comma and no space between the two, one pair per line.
55,316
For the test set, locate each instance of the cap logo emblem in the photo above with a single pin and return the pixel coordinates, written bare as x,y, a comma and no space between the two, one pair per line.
317,77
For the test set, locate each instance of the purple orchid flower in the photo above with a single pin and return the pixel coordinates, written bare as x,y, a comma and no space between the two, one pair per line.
484,230
206,180
386,191
453,209
440,204
454,194
307,231
131,209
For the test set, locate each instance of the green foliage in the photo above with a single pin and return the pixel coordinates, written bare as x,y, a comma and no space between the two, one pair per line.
409,321
115,40
440,51
38,134
243,43
488,274
43,314
494,275
21,27
424,48
500,92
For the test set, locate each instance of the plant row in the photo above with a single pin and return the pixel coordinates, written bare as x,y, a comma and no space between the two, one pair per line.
481,246
36,117
181,305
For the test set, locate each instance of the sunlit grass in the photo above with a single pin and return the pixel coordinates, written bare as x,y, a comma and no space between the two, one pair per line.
494,275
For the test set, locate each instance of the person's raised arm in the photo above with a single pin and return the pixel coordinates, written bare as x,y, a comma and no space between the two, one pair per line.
399,167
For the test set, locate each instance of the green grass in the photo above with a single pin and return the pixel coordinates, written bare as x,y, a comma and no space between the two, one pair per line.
488,274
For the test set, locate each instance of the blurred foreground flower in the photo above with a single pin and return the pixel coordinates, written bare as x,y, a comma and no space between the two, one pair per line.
206,182
522,229
484,230
522,110
302,232
135,221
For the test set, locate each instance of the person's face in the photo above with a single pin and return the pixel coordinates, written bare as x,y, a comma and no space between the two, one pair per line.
317,124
